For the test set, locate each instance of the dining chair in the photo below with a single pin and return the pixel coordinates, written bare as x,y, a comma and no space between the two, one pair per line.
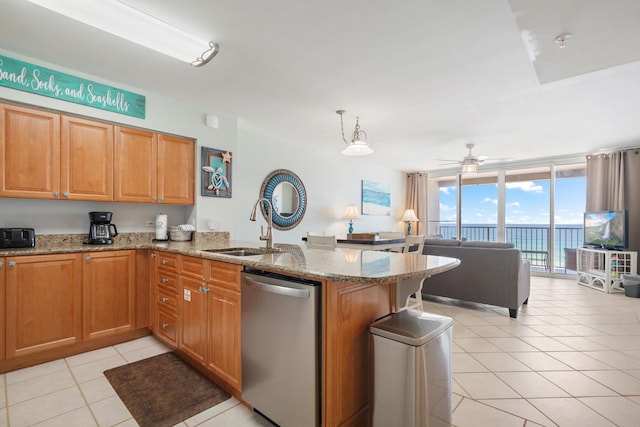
411,242
321,242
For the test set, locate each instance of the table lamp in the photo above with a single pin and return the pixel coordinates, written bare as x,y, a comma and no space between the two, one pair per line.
409,216
351,213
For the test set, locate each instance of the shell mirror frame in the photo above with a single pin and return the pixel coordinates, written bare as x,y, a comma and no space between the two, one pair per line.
288,197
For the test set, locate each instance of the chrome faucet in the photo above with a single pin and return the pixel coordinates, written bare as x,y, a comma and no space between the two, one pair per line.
268,237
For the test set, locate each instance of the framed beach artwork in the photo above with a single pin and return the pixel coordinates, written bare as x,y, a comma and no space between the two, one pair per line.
376,198
215,179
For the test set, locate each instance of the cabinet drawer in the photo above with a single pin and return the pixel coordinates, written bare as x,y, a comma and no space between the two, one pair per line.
192,266
167,280
167,261
167,325
225,275
167,301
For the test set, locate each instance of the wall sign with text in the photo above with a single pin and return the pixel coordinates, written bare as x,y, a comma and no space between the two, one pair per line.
54,84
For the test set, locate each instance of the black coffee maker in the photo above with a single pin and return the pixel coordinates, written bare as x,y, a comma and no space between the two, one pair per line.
101,230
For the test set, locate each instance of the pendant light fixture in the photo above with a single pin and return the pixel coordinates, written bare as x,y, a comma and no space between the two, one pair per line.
358,146
129,23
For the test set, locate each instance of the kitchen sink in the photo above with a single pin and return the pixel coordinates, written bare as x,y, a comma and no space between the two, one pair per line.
243,251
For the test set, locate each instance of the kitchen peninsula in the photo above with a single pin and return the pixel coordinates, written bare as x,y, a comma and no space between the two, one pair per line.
358,287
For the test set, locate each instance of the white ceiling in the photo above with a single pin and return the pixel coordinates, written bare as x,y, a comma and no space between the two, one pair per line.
424,76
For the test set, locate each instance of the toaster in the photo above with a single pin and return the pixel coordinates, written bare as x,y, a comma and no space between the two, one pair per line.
17,238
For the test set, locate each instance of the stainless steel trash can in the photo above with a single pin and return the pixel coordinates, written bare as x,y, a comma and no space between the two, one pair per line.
412,370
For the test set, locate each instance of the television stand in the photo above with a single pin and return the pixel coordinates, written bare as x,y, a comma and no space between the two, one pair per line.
602,269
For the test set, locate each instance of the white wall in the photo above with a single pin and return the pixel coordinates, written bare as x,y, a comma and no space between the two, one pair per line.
332,180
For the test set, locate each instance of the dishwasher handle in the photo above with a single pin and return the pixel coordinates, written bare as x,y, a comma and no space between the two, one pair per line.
278,290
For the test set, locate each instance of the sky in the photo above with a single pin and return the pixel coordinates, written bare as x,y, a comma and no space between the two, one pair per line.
527,202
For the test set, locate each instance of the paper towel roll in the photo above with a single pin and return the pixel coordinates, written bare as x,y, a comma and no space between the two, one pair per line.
161,227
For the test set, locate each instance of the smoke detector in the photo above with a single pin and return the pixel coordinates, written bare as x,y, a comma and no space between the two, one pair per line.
561,40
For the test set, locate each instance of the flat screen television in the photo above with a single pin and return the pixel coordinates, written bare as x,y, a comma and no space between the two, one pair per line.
606,229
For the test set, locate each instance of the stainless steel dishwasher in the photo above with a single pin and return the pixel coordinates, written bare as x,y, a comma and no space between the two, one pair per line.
281,347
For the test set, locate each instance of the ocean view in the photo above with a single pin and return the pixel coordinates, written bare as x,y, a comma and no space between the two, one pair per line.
532,239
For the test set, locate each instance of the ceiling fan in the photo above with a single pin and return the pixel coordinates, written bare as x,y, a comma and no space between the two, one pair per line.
469,162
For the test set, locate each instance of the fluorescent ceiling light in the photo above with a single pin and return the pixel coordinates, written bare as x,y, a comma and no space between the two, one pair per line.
131,24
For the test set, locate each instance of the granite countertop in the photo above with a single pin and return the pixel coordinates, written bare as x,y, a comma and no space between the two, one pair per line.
349,265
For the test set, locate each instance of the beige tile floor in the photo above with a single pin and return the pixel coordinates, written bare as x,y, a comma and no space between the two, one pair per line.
572,357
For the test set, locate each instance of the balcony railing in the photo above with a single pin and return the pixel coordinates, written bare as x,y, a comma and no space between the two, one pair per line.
532,240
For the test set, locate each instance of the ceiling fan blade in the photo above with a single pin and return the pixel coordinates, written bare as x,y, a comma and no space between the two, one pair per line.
499,160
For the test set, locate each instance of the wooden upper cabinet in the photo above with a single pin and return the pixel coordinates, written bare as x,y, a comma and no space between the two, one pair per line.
176,170
135,165
44,155
29,153
153,168
86,160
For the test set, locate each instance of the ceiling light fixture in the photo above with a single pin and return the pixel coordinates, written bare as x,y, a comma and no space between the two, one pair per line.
468,168
358,145
561,40
136,26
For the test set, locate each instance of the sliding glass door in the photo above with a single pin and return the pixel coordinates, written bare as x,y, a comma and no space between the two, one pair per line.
538,209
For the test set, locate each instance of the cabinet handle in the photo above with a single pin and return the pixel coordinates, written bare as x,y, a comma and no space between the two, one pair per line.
12,263
165,280
1,264
165,299
88,258
153,254
165,262
161,199
164,325
65,194
155,199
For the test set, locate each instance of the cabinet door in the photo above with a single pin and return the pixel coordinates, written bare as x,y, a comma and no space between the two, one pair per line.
224,356
29,153
44,303
176,181
135,165
109,293
2,304
193,313
86,160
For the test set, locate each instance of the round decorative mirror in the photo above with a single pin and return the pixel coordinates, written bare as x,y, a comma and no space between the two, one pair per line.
288,197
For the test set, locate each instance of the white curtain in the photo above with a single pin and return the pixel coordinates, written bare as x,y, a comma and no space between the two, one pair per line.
612,184
417,198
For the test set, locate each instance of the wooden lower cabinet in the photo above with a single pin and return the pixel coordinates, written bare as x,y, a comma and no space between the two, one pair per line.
224,346
207,314
109,293
2,304
44,303
165,303
193,314
348,310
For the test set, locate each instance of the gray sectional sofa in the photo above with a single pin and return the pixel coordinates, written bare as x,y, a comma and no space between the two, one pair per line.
489,273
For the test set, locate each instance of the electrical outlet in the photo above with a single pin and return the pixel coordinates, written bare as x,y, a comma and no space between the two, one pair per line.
151,224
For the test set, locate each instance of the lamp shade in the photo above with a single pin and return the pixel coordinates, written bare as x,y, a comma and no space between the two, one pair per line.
351,213
357,148
469,168
409,215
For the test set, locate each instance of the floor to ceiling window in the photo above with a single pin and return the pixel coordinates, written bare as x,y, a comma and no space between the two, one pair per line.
527,204
530,207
